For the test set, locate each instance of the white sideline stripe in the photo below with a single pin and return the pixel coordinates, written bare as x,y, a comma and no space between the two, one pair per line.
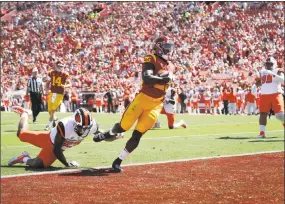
140,164
158,138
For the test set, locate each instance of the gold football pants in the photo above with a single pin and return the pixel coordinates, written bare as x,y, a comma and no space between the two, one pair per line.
143,109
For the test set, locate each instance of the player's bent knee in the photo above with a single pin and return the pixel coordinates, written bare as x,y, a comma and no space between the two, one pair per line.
36,163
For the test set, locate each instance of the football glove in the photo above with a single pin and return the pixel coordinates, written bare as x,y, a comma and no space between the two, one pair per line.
73,164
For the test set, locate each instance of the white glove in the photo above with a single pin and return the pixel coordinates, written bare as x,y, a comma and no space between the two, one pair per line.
73,164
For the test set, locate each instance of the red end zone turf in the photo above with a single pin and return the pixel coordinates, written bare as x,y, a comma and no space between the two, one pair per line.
243,179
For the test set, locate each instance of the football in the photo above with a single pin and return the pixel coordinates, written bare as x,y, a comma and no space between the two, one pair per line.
163,73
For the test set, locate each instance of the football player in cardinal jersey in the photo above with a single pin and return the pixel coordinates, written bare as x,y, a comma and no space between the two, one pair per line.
271,93
168,110
69,132
58,80
148,103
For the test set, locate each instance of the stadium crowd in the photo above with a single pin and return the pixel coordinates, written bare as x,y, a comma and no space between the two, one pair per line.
217,46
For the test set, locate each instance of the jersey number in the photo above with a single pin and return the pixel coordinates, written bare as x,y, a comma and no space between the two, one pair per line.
266,79
56,80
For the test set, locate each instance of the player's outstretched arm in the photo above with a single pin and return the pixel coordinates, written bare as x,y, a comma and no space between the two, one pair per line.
58,142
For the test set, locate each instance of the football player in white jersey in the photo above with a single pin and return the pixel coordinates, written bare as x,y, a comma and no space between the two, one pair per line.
271,93
217,100
195,100
168,110
69,132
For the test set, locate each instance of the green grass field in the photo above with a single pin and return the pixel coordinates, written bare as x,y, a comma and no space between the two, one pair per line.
205,136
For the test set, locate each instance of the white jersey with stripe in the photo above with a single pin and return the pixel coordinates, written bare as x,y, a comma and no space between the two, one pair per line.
269,84
216,96
195,97
71,137
207,95
240,95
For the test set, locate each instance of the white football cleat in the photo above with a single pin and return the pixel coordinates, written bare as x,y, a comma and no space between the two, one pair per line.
183,124
20,110
261,135
47,128
19,159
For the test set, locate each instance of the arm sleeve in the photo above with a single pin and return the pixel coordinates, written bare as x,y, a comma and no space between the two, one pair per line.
280,78
147,74
58,143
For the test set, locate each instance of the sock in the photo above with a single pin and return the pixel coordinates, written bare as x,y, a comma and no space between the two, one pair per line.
24,115
25,159
49,122
124,154
177,125
262,128
111,133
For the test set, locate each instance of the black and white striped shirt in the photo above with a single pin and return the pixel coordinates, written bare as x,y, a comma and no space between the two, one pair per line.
35,84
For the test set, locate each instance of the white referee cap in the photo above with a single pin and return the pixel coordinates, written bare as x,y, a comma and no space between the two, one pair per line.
35,69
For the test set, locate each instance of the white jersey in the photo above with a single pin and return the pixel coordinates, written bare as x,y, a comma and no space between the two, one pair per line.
168,107
216,96
71,137
207,95
270,85
240,95
195,97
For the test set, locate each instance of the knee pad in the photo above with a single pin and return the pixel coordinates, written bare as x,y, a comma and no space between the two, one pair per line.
280,116
36,163
117,128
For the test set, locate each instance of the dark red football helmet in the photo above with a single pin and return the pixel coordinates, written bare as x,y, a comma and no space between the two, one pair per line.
163,46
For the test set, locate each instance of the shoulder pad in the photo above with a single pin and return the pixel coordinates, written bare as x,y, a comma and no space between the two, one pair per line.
150,59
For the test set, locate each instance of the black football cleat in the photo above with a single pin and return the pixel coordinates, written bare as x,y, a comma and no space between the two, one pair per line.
117,167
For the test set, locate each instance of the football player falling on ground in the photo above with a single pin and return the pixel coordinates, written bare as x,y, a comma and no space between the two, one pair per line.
167,109
147,105
58,80
69,132
271,93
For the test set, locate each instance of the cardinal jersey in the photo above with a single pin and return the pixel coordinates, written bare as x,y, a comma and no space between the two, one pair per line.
57,80
157,90
67,131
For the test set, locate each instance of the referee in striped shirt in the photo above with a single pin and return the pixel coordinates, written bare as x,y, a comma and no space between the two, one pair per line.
35,89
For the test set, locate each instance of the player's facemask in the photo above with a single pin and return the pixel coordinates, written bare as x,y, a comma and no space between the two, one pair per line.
81,130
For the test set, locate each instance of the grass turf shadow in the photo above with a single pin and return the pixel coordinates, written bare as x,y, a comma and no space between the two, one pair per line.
240,138
90,172
264,140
